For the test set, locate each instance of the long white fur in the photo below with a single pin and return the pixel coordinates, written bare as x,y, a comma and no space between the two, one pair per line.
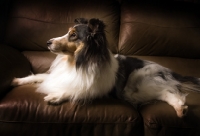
65,82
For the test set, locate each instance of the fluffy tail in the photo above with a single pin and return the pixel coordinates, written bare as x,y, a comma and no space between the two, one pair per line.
188,83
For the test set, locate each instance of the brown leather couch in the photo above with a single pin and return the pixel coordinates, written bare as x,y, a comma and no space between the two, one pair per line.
166,32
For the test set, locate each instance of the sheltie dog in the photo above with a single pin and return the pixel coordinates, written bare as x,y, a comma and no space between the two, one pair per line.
85,69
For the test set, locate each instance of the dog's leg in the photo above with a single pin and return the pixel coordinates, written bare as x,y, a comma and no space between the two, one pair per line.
56,98
38,78
177,101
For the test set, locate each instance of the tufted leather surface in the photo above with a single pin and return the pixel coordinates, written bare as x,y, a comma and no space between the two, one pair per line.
160,29
183,66
32,23
12,64
160,118
23,109
40,60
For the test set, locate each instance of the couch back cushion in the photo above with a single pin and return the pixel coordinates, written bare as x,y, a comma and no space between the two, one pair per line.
33,22
160,29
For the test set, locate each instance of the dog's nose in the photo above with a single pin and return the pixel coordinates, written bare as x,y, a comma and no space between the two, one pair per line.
49,42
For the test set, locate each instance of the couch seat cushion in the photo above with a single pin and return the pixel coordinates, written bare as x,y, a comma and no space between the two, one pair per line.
160,118
25,113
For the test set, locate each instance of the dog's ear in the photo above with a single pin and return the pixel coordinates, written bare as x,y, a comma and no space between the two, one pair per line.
80,21
96,25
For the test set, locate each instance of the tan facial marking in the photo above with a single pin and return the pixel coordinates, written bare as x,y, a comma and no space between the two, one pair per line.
70,59
71,47
80,46
72,30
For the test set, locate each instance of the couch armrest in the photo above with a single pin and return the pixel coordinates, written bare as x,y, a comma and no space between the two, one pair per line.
12,64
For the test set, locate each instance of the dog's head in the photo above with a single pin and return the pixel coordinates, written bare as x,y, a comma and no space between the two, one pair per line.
85,41
77,36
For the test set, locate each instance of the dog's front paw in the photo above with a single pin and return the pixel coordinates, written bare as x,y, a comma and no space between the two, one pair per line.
54,98
16,82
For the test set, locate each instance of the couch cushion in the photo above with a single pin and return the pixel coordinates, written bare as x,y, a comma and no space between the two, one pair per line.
160,29
32,22
12,64
160,118
40,60
183,66
25,113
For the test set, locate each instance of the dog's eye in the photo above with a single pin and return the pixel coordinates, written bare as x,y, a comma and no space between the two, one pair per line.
73,35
